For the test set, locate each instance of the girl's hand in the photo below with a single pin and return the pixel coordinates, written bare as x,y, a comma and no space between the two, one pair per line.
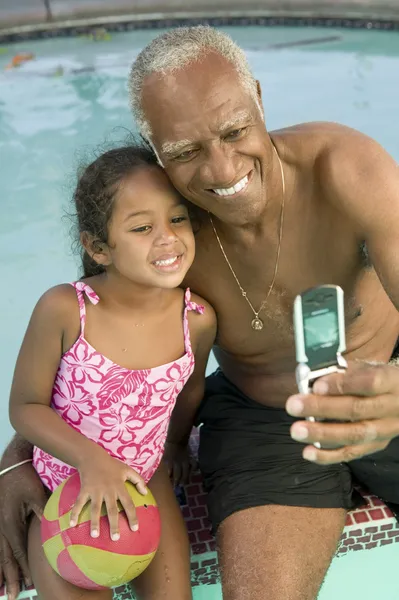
104,481
179,461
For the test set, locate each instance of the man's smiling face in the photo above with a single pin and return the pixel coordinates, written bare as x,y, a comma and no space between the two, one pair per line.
210,135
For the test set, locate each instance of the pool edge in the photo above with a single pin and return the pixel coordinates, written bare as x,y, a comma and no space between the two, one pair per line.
322,16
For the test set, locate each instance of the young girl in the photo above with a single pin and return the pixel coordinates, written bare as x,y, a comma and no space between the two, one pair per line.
104,359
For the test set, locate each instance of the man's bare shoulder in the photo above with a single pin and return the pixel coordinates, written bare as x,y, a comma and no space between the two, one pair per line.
315,127
308,141
353,167
340,158
328,142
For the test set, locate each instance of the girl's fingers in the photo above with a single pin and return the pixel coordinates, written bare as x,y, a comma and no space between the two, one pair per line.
129,508
95,514
138,481
77,508
113,518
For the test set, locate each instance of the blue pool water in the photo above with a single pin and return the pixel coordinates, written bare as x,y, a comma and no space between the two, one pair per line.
57,108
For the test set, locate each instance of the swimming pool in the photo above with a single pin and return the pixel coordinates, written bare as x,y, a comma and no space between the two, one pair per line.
56,109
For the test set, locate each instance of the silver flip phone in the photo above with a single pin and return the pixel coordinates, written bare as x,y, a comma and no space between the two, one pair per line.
319,327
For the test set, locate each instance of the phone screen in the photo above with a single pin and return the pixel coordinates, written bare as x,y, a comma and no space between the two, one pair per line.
321,330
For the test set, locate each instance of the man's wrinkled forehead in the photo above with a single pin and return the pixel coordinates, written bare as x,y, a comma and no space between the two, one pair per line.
174,102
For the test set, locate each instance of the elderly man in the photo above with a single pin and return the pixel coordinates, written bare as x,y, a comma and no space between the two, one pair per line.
279,212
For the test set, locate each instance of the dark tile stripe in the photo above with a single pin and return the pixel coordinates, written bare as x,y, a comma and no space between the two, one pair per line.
335,22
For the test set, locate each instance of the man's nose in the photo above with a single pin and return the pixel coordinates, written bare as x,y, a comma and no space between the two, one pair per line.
219,168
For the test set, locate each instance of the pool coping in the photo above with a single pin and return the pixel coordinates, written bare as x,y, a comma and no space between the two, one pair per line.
315,17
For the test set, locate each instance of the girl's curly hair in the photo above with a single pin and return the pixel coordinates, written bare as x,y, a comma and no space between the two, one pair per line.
96,191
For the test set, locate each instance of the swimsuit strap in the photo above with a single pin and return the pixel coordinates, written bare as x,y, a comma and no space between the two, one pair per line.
189,305
82,289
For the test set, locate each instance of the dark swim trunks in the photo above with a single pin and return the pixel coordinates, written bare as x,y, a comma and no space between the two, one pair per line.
248,458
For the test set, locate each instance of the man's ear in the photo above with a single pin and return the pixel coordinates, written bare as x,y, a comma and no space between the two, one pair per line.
96,249
259,94
259,90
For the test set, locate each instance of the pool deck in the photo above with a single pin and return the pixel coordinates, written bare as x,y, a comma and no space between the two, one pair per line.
15,13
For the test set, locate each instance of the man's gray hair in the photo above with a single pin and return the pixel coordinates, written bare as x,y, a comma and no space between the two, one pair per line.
176,49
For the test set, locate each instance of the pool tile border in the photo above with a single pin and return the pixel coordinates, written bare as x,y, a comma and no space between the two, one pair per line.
22,34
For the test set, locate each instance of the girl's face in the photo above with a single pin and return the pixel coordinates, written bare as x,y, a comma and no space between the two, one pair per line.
150,239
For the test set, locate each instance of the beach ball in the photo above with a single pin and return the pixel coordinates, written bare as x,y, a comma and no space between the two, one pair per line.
98,563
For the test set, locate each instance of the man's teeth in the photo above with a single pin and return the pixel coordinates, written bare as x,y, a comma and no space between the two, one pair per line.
166,262
233,190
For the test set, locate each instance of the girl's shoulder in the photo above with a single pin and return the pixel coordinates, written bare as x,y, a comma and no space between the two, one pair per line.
58,303
206,321
208,308
60,296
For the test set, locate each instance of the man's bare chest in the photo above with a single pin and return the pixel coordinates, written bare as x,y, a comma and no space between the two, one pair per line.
302,265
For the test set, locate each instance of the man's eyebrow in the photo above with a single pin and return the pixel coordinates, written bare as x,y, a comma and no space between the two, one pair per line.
238,118
169,148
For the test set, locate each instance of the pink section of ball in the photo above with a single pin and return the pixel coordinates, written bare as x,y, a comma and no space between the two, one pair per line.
71,572
49,529
133,543
69,494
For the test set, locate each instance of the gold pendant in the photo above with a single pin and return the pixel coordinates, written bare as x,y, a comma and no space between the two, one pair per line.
257,324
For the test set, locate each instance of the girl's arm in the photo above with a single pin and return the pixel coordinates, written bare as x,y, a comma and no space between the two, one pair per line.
102,477
203,333
34,375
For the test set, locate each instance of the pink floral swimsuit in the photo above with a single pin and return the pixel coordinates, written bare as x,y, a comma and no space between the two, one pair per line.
126,412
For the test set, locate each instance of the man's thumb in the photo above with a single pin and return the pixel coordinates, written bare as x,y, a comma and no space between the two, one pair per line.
37,508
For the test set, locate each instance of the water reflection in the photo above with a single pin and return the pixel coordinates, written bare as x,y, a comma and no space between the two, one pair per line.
58,108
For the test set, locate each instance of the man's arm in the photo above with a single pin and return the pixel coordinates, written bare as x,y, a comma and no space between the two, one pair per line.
203,330
17,450
21,493
188,400
361,181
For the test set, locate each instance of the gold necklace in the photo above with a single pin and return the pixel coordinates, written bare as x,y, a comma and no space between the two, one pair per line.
257,323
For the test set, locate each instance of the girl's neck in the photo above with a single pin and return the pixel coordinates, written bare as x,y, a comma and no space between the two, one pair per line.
124,294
